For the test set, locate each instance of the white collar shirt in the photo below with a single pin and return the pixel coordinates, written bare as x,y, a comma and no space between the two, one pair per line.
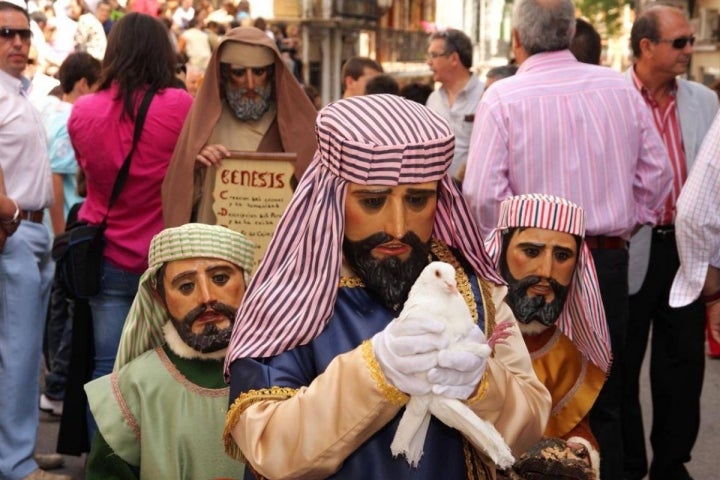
23,147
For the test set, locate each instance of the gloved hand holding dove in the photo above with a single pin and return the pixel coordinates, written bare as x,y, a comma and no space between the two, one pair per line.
434,352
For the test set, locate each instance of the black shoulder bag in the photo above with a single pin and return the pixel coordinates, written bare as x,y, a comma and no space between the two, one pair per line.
78,252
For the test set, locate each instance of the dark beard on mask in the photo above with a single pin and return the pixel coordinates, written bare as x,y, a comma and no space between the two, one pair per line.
527,309
389,279
211,339
248,108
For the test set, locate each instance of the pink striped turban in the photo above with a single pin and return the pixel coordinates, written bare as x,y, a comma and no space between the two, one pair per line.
583,318
367,140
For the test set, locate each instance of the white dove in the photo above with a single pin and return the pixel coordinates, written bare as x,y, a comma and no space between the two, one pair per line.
435,293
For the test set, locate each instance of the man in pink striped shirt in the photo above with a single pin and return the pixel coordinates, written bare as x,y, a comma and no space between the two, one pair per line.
581,132
662,40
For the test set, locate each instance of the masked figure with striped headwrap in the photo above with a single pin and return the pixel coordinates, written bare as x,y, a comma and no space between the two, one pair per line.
319,369
553,290
160,413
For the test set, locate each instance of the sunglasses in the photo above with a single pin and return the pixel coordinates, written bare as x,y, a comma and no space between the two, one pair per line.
9,33
257,71
678,43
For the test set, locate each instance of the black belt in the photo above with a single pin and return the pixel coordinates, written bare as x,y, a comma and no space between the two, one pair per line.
664,232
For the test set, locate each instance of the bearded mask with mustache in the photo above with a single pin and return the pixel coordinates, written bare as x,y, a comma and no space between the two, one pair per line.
526,308
211,339
390,279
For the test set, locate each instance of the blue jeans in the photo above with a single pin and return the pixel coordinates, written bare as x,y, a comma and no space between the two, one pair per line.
109,309
26,273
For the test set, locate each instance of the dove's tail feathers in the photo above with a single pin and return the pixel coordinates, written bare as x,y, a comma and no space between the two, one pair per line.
480,433
410,435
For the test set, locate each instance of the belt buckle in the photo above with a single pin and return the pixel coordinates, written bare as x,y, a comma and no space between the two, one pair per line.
665,232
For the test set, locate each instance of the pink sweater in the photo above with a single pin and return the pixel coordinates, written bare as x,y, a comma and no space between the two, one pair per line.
102,138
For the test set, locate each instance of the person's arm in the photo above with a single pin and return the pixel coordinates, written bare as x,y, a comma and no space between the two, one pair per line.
181,43
510,395
307,431
57,209
103,463
697,225
711,294
486,181
8,211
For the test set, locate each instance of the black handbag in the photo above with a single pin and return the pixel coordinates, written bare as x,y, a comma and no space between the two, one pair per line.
78,252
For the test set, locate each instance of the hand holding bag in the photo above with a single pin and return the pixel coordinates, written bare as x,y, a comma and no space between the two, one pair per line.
78,252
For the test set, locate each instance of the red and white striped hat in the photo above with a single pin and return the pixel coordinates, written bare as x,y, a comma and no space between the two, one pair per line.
583,318
367,140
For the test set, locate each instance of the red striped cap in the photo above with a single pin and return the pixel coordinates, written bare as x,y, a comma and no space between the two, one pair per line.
583,318
368,140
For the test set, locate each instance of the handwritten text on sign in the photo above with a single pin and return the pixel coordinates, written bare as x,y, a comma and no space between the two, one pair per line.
251,193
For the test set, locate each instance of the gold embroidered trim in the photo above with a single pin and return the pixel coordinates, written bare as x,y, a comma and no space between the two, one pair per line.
482,389
350,282
241,404
187,384
393,395
477,465
488,307
443,253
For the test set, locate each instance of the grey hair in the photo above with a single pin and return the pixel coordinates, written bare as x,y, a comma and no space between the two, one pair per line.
544,25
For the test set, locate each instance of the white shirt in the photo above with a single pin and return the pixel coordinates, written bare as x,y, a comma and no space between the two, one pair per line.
23,147
697,224
182,17
460,116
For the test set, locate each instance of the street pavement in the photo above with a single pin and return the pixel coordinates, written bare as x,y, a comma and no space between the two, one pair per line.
705,464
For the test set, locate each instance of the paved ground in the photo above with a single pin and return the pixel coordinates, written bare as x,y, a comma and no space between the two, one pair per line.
705,464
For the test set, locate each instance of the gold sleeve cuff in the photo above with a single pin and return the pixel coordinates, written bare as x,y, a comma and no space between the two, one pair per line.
481,390
240,405
392,394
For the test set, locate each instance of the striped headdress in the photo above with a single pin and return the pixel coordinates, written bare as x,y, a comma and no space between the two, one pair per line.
143,325
583,317
368,140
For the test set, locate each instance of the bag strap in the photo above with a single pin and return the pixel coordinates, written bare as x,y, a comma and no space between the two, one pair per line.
125,169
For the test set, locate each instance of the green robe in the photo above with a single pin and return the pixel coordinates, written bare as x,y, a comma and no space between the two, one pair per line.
161,417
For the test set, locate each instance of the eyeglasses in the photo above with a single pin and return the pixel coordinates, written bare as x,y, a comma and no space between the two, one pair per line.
257,71
434,55
9,33
678,43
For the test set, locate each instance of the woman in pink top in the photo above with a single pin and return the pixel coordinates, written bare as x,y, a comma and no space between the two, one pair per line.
139,56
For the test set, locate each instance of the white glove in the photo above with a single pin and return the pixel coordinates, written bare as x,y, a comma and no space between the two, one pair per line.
459,371
406,350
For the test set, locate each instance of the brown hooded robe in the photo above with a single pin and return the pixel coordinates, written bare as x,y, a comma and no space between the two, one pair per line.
293,129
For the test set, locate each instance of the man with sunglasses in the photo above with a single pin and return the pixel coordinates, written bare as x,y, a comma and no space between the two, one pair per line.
26,270
580,132
249,101
449,56
662,43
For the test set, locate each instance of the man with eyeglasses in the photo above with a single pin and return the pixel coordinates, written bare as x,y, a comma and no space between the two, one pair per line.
449,56
580,132
26,270
249,101
662,43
